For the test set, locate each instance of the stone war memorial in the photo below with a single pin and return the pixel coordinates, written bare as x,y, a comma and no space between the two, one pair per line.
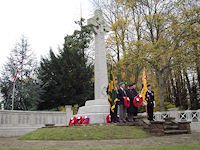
98,109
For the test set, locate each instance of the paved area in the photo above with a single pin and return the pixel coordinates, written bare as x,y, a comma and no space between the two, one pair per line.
16,131
184,139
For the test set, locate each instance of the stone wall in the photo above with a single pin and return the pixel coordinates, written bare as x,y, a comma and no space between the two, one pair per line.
31,118
16,123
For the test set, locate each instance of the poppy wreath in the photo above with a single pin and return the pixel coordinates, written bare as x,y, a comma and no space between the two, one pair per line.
108,118
80,120
127,102
73,121
137,101
86,120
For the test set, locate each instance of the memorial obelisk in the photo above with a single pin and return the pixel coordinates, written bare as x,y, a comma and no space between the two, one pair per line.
98,109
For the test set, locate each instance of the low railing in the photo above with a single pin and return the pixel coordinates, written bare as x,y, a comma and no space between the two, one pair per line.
180,116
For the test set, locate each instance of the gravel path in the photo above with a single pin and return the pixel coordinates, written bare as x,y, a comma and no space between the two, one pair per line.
184,139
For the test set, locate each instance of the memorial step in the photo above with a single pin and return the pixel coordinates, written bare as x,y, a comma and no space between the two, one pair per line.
171,127
96,110
176,131
169,119
170,123
95,118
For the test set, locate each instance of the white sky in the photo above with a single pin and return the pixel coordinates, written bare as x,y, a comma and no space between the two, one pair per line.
43,22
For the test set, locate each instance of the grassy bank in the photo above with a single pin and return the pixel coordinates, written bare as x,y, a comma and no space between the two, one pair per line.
86,133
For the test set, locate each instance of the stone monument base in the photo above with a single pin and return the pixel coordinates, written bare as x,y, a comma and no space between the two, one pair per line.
96,110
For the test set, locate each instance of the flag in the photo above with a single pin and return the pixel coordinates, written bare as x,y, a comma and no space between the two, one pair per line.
15,75
112,93
144,84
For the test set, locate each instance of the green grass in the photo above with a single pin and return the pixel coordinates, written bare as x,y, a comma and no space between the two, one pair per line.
183,147
86,133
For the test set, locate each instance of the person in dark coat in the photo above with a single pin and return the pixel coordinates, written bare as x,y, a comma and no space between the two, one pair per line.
120,95
131,93
113,115
150,102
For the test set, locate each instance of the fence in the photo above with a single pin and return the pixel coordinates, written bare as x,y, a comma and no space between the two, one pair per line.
180,116
192,116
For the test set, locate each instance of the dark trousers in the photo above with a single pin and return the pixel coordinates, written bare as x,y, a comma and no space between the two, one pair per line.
132,111
113,115
135,111
150,111
130,116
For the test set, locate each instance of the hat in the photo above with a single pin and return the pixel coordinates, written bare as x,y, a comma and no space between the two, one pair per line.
120,83
148,85
131,84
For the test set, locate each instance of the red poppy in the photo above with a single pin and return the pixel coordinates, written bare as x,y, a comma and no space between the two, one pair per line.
137,102
126,102
108,119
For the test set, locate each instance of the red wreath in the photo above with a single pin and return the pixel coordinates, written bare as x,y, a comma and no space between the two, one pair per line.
80,120
108,119
137,101
126,102
86,120
73,121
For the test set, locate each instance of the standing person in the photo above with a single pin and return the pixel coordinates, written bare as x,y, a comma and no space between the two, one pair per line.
131,93
117,103
114,103
122,109
150,102
114,117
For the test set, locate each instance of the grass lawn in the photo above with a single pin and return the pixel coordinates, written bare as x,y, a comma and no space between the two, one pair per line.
86,133
193,147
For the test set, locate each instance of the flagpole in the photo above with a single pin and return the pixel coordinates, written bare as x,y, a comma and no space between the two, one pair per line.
13,95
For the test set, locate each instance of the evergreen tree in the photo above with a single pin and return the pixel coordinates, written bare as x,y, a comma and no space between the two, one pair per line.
66,78
26,89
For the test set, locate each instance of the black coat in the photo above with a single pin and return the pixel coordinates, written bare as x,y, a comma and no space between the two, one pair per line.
150,98
120,95
131,94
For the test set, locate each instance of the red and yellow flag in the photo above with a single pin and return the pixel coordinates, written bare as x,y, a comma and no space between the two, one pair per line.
144,83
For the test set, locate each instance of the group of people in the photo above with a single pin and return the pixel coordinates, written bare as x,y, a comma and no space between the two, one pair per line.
128,114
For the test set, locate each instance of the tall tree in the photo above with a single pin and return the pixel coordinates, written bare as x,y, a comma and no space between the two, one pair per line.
26,88
160,35
66,78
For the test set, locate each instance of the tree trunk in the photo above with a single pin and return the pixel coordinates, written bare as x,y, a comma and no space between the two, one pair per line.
198,74
117,44
188,87
178,89
137,72
197,61
173,87
168,91
160,81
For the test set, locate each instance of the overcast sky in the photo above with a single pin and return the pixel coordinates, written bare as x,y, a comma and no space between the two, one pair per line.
43,22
